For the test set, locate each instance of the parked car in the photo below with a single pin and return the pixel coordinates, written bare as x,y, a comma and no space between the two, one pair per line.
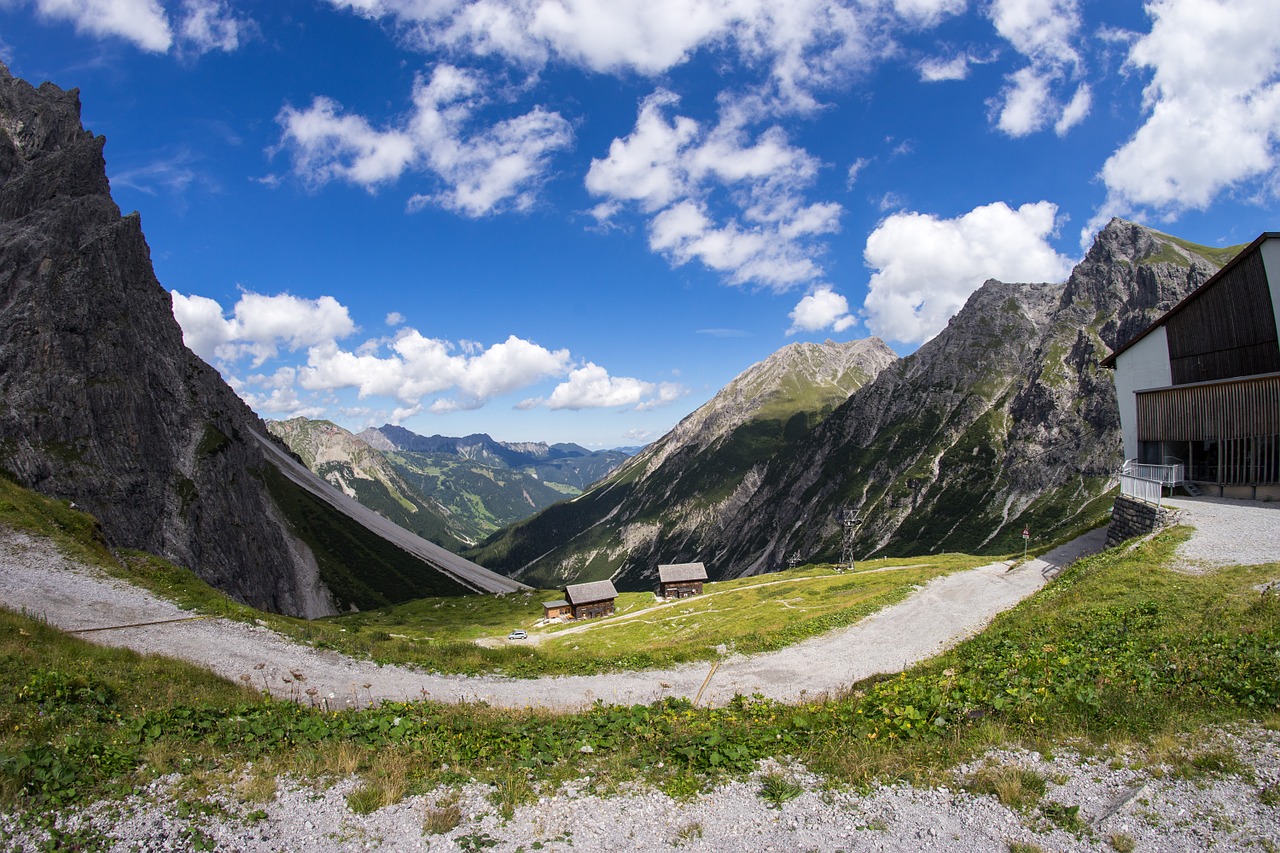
518,634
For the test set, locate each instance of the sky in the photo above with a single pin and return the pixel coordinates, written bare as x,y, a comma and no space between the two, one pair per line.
576,220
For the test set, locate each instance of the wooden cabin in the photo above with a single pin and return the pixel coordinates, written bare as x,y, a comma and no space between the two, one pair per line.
681,580
588,600
556,609
1199,389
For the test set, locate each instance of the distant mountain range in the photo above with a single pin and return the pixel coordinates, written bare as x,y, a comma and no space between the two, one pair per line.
453,491
1004,421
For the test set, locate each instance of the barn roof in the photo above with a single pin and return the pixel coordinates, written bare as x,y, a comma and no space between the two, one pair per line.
673,572
585,593
560,603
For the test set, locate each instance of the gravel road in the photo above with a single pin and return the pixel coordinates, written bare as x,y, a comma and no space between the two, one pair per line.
1128,800
35,578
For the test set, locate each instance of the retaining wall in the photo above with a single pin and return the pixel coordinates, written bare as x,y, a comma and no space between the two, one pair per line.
1131,517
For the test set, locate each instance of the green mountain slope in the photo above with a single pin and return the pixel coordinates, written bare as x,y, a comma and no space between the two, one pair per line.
661,504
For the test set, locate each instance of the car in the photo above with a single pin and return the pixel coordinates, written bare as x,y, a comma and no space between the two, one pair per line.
518,634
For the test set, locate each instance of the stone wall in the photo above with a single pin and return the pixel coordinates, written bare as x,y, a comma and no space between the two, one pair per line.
1131,517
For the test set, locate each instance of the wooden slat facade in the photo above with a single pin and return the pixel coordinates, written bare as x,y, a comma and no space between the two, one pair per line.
1230,429
1227,330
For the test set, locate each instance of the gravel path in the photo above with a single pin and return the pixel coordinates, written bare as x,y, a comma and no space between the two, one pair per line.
35,578
1123,801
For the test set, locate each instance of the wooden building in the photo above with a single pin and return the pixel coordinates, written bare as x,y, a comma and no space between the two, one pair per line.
681,580
1199,389
588,600
556,609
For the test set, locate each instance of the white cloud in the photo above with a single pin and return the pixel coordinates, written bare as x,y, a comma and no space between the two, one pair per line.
718,196
1212,107
1044,31
482,170
926,267
142,22
822,309
259,325
1075,111
800,46
936,70
395,318
591,387
210,25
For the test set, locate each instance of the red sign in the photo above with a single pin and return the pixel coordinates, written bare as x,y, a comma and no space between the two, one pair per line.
1026,533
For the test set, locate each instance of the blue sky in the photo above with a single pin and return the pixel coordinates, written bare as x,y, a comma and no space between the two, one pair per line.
576,220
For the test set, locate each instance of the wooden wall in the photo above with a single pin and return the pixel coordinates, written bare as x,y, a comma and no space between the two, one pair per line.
1227,330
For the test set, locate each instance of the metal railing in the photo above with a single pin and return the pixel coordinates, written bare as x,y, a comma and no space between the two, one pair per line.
1142,488
1169,475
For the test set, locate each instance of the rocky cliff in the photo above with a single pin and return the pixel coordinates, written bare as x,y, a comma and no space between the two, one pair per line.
673,500
1003,421
102,404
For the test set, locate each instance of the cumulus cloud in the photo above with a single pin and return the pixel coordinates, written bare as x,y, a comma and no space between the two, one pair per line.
1212,107
142,22
202,25
802,45
822,309
936,69
926,267
1045,32
405,368
591,387
259,325
209,25
729,200
482,170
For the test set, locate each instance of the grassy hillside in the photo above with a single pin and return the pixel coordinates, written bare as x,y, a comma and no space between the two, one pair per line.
1118,651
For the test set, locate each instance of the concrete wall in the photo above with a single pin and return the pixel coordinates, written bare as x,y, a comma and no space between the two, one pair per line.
1143,366
1131,518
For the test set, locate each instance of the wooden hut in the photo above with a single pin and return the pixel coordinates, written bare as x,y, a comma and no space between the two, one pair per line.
681,580
587,600
556,609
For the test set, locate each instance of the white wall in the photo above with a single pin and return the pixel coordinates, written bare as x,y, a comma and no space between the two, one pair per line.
1143,366
1271,262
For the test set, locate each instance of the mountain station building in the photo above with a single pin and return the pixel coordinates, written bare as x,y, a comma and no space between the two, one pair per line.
1199,389
681,580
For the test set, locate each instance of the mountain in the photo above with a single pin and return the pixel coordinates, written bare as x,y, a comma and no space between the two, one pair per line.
1003,421
103,405
668,501
362,473
484,485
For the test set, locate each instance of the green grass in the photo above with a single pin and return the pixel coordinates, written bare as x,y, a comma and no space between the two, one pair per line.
1119,650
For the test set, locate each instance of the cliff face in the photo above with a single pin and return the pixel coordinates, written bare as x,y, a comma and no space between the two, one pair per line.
100,402
1003,421
676,499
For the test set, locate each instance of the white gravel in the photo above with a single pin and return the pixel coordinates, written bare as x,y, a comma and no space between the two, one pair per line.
1122,800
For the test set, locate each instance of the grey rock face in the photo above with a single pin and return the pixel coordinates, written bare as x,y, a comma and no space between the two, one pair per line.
100,401
1005,420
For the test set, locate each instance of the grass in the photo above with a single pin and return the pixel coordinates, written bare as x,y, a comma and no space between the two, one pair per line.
1118,650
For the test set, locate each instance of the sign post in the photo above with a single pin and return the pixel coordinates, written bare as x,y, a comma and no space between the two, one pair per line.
1026,536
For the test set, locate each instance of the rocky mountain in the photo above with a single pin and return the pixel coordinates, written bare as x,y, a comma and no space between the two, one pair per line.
675,496
1003,421
103,405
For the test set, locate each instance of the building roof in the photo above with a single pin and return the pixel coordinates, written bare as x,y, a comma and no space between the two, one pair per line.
586,593
560,603
1220,275
674,572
